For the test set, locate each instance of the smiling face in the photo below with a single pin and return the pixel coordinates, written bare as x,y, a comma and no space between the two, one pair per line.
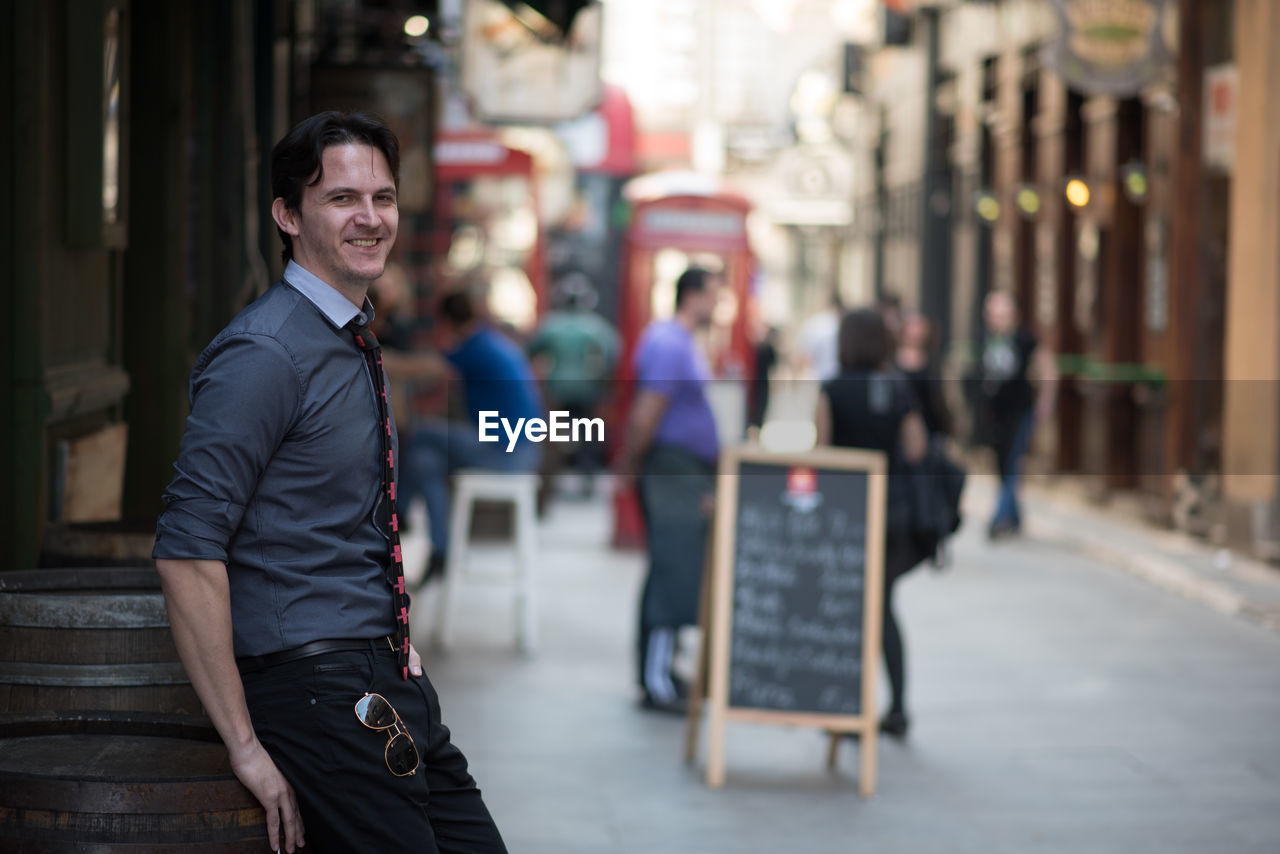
346,224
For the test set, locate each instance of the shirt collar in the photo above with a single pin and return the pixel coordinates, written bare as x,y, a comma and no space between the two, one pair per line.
333,305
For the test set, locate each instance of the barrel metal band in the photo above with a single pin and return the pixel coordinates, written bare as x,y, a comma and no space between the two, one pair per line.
92,675
42,611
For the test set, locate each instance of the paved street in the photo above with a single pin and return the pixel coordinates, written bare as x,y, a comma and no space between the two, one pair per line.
1060,702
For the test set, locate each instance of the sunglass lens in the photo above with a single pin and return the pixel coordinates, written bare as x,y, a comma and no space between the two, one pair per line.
375,712
402,756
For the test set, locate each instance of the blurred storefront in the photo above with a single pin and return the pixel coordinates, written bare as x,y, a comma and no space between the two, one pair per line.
485,226
1133,214
1117,188
1085,173
136,180
1251,417
602,148
136,177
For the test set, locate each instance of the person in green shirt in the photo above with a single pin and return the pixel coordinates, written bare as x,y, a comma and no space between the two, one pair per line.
575,351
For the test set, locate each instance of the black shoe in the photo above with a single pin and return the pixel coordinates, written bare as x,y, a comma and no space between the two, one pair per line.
1002,529
895,725
678,706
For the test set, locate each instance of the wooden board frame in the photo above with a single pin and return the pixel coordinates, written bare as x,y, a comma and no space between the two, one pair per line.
716,614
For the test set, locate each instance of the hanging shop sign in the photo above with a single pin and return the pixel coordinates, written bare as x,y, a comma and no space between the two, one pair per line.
1221,87
515,72
1109,47
813,185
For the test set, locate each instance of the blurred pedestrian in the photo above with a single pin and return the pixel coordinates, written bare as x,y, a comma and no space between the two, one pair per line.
889,304
939,481
1011,358
576,351
765,354
278,550
818,345
917,358
392,298
870,405
495,377
673,446
391,295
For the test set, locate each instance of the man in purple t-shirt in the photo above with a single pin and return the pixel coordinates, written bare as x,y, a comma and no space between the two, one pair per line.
672,445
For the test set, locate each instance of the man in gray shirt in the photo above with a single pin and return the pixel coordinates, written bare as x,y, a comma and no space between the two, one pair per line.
278,548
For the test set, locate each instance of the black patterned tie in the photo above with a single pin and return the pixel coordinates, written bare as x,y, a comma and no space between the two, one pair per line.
366,341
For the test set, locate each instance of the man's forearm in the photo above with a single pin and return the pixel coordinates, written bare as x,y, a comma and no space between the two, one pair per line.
646,414
197,597
638,441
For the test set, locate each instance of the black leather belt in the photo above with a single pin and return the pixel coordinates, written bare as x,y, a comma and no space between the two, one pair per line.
252,663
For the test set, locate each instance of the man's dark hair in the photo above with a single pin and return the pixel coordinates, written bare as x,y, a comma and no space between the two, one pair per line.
692,281
456,309
300,155
864,340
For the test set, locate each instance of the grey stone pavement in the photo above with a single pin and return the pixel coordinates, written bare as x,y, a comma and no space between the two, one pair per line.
1094,686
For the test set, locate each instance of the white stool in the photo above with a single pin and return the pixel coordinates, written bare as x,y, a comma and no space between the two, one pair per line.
519,489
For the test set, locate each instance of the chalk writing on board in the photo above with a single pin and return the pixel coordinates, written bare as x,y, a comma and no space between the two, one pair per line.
798,582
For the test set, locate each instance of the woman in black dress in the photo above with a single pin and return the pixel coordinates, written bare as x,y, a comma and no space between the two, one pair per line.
918,361
870,405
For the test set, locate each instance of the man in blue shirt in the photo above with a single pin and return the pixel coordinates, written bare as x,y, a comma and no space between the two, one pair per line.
673,445
497,384
275,546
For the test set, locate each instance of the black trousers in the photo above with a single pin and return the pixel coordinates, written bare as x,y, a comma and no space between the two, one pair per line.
304,714
901,555
673,484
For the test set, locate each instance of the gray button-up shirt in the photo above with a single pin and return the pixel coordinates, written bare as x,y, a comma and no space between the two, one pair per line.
279,473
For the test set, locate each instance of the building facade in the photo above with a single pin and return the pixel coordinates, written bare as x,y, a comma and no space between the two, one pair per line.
1155,280
134,185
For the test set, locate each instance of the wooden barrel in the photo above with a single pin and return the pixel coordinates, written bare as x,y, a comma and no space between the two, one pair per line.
89,639
121,782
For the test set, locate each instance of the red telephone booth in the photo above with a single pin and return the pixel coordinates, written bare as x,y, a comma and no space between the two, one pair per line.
486,218
671,230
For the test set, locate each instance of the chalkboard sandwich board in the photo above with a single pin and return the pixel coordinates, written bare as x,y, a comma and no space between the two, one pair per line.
791,611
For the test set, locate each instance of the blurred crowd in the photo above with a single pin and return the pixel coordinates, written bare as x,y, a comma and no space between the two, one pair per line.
880,388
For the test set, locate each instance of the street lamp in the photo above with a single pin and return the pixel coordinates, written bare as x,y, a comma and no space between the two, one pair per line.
1133,178
1077,191
416,26
986,206
1028,200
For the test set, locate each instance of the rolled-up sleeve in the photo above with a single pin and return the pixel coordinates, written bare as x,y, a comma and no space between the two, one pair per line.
245,395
